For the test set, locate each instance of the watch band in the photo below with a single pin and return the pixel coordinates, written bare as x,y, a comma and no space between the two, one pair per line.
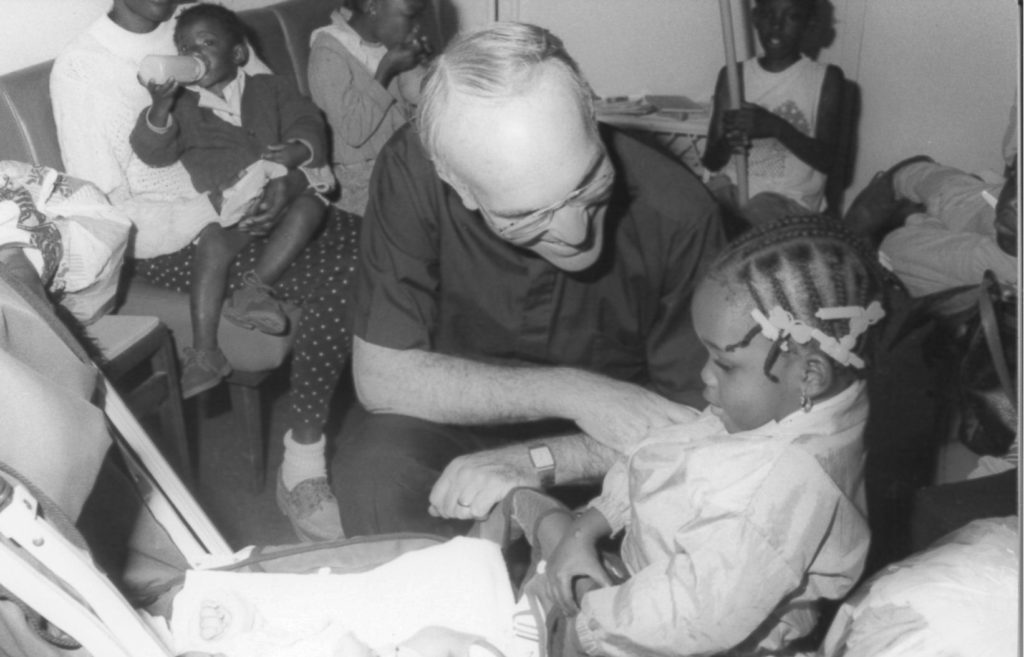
543,461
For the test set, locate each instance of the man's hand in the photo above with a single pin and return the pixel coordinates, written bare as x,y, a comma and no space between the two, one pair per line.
473,483
278,193
619,415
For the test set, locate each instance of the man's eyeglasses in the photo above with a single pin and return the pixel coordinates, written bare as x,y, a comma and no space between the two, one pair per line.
525,229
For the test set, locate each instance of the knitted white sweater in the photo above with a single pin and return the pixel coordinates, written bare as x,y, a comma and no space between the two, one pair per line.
96,100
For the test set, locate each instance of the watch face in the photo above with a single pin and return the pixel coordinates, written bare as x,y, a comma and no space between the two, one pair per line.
541,457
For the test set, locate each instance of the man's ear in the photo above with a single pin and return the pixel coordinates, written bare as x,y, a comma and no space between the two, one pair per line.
460,187
818,374
240,54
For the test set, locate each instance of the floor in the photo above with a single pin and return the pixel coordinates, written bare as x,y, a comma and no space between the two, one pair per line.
899,436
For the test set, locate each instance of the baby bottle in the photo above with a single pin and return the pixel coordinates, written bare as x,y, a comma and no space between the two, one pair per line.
186,69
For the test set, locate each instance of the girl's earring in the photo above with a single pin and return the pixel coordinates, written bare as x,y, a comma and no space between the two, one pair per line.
806,402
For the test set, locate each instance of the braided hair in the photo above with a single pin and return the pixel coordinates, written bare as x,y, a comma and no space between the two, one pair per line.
803,264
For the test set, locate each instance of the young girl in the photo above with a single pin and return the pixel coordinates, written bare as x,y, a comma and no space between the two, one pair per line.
217,128
738,521
365,70
791,120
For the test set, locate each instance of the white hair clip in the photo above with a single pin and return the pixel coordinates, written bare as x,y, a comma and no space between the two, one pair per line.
781,324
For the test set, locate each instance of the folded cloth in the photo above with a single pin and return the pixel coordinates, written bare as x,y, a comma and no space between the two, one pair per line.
461,585
68,230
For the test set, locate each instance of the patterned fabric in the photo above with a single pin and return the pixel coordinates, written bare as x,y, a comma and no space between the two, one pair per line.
73,237
320,281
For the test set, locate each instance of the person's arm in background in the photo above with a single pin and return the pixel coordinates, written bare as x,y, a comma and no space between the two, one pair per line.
731,129
817,150
719,148
353,101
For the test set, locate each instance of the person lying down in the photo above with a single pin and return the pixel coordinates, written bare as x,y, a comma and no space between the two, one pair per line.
450,599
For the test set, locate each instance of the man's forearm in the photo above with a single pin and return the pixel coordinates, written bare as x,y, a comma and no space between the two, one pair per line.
579,458
449,389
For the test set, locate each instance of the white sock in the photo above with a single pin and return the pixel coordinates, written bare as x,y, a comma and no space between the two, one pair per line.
301,461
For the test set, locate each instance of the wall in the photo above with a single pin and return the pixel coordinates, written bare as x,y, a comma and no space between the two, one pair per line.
24,41
936,76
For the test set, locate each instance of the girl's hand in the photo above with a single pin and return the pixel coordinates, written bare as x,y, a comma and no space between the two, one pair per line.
408,54
291,155
574,559
751,120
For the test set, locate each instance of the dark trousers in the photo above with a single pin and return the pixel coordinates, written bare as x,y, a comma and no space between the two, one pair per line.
386,467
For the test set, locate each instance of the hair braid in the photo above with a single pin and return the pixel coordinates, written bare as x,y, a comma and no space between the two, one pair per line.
804,264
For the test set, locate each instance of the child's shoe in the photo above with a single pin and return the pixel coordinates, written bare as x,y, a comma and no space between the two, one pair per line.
254,307
202,369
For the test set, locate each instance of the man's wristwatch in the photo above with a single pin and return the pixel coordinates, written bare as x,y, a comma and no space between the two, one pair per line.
544,463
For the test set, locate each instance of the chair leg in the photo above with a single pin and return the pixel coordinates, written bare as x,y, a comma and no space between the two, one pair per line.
248,413
172,412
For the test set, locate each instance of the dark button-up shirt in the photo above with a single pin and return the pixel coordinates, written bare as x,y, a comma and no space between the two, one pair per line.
433,276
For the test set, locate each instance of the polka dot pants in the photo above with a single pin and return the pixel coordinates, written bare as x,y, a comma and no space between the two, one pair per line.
321,281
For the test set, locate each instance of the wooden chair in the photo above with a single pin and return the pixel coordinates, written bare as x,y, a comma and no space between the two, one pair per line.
139,360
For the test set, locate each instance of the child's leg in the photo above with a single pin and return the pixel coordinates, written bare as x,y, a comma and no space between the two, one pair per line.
216,247
301,221
204,365
255,306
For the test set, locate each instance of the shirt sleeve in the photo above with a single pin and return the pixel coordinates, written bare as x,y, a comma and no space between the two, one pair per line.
156,148
301,121
613,503
398,276
729,571
674,354
354,102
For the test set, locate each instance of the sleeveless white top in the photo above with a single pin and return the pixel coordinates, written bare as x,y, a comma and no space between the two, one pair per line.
792,94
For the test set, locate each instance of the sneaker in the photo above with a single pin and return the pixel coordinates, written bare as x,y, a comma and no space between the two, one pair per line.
254,307
311,508
876,211
202,369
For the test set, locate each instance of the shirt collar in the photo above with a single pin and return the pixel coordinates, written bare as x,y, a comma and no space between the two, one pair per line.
229,107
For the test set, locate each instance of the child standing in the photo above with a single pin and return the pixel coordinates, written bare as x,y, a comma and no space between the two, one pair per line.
739,520
227,122
365,70
790,120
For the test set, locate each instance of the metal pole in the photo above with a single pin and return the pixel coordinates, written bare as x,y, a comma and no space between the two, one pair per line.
732,74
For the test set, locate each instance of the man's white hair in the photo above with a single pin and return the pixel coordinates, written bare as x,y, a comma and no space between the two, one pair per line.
499,61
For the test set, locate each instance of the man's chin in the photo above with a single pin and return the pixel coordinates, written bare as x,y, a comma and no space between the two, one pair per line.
568,258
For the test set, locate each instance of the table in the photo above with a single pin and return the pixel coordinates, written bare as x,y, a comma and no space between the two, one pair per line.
683,137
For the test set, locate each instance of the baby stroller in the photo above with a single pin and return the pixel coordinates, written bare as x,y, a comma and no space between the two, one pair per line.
68,443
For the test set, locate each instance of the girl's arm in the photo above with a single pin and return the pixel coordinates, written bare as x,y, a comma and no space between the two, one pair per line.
718,149
819,150
354,103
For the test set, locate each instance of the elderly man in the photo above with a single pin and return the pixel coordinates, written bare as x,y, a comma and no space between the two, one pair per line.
524,287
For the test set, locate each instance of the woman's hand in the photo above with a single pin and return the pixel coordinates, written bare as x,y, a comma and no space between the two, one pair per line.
278,193
291,154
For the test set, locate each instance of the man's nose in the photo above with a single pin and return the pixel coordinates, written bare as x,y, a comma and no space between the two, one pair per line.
570,225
